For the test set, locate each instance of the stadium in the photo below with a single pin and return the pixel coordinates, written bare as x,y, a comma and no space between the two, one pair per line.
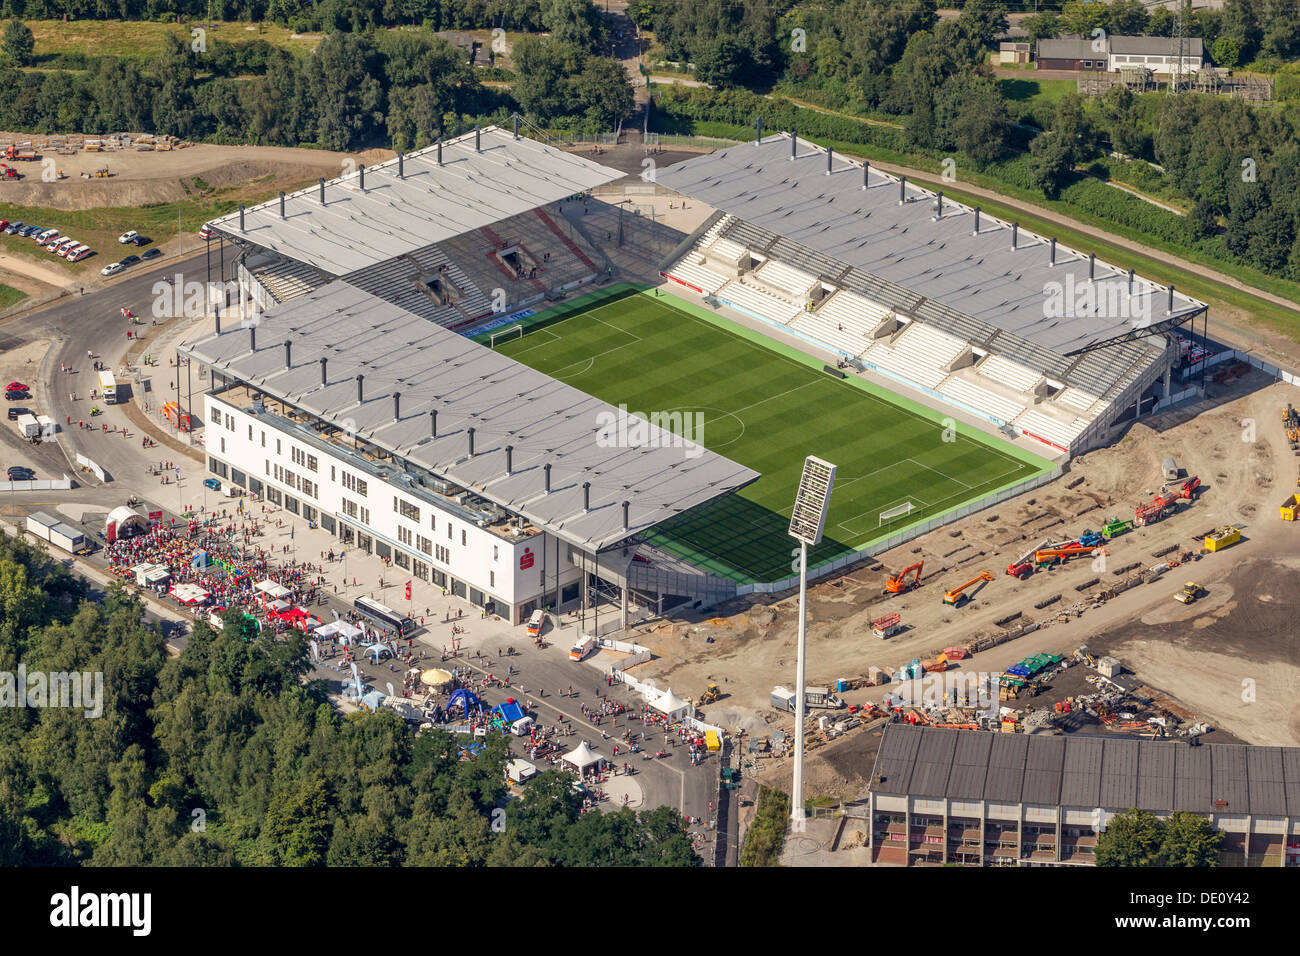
562,415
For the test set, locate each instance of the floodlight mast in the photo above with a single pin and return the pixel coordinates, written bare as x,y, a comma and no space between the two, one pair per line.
807,521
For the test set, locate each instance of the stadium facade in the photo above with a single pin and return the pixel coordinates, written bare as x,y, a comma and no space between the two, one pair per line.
344,388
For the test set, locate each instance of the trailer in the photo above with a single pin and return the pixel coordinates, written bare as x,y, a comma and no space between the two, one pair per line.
69,539
28,426
1115,526
39,524
783,699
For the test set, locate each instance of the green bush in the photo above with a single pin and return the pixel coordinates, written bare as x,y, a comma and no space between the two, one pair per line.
766,834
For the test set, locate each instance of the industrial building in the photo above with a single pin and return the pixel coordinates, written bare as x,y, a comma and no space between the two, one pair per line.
942,796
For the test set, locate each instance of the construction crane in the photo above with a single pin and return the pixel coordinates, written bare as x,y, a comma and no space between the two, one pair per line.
955,596
1052,555
897,583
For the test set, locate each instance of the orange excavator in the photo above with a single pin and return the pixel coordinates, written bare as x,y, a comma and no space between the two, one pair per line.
955,596
897,583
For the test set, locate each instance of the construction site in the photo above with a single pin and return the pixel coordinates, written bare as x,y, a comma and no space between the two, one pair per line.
1123,599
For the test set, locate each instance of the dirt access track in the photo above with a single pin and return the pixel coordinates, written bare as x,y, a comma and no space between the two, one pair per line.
140,178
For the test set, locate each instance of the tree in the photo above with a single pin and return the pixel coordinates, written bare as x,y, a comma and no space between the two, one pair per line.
1050,169
19,43
1190,840
1202,221
1226,52
1132,838
721,63
972,114
983,20
577,22
1041,26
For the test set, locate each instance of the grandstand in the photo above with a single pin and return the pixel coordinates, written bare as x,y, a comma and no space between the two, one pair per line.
452,233
923,292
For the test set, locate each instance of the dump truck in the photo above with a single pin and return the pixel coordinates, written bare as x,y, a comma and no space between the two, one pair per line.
1188,595
21,153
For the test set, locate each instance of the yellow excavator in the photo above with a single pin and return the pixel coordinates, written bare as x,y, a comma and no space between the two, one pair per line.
711,695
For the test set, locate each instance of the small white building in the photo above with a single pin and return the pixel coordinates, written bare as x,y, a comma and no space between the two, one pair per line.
1157,54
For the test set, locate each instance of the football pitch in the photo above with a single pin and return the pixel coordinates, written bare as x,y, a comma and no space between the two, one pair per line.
767,407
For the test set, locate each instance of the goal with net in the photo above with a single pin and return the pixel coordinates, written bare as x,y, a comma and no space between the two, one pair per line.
889,514
505,335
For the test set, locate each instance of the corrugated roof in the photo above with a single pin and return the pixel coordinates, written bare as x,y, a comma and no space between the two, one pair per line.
1119,776
970,766
1114,773
1157,46
1266,780
980,276
1155,784
934,758
394,215
469,386
1069,48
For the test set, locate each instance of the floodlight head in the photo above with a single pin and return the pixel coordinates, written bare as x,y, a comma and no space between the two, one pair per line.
811,501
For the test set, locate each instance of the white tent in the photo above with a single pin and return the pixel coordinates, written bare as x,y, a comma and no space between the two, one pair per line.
272,590
340,629
672,706
582,757
127,521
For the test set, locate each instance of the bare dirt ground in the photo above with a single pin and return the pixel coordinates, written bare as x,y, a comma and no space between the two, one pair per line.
1242,630
154,177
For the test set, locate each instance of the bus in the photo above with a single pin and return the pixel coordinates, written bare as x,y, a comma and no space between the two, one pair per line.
108,388
385,618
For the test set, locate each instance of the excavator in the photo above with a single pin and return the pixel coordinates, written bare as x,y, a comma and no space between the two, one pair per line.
897,583
956,597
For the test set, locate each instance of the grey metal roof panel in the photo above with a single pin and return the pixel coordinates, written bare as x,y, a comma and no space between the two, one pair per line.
1068,48
1192,786
980,275
970,766
1267,781
1155,46
1291,779
1155,777
393,215
1006,777
933,763
1043,764
895,758
1119,773
507,404
1229,790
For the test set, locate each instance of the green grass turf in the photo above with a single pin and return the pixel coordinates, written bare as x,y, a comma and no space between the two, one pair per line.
767,408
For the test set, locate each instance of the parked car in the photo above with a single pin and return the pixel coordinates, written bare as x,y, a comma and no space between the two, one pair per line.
69,251
4,223
62,246
12,228
141,241
80,254
20,473
130,260
112,269
14,412
44,237
127,236
153,253
212,483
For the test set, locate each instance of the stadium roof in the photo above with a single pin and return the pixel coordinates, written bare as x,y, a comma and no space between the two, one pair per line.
469,386
977,275
429,201
1114,773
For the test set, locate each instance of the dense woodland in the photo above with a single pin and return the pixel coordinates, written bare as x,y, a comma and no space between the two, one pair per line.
229,729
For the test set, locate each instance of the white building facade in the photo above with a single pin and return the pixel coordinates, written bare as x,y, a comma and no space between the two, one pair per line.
452,540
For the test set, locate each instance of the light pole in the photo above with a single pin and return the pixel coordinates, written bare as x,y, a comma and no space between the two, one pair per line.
806,523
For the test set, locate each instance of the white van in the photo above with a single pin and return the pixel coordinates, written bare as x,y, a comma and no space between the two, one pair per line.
582,647
522,727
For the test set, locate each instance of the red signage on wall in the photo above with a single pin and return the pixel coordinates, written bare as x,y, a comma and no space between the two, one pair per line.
408,590
526,559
